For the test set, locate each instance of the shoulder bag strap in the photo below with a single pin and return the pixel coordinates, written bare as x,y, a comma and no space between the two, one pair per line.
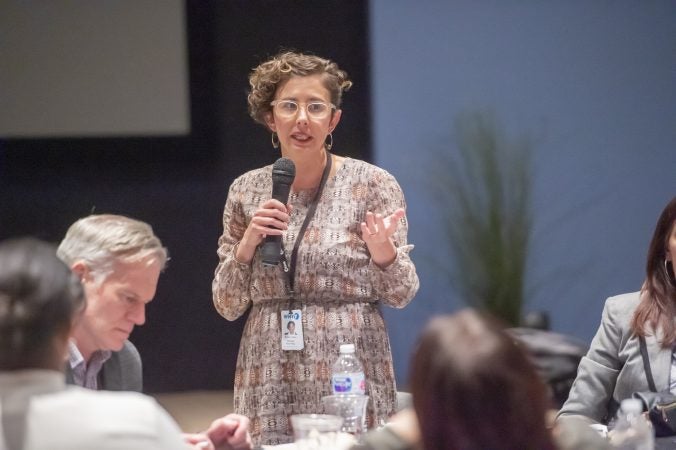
646,363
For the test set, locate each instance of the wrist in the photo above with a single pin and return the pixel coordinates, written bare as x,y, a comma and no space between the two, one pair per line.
242,254
383,254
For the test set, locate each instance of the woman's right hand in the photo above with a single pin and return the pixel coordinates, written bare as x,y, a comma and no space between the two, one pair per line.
270,219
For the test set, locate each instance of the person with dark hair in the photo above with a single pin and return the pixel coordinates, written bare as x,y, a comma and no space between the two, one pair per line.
613,368
41,301
474,387
344,237
39,298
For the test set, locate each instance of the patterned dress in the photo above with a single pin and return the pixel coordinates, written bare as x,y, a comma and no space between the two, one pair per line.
337,287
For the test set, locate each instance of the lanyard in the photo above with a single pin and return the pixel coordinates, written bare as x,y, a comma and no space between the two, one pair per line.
290,269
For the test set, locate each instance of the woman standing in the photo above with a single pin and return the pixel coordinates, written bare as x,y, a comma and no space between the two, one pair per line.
344,238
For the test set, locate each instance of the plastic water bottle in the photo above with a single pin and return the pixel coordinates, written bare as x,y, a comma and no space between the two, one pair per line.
632,431
347,376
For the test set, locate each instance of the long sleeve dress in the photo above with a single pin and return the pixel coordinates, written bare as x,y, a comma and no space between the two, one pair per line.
337,287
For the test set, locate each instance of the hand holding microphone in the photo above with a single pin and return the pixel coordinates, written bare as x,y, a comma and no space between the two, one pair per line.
271,219
283,173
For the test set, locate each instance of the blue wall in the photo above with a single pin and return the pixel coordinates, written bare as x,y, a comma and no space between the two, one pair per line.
593,81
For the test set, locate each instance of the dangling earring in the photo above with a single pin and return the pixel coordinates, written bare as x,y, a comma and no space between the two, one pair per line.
666,269
275,139
329,144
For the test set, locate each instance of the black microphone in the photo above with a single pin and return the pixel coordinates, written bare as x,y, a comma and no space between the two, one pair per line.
283,173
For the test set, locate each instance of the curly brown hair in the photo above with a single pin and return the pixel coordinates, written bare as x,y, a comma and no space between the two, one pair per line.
268,76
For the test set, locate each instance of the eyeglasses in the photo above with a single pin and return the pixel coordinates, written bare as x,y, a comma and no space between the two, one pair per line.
315,110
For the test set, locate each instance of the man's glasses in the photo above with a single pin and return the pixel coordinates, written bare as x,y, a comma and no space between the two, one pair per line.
315,110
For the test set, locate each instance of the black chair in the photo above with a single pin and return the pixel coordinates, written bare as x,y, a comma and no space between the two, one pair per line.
556,357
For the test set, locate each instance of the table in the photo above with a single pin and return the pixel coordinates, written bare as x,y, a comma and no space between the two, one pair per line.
664,443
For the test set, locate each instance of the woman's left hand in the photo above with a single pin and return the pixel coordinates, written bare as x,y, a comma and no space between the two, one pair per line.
376,232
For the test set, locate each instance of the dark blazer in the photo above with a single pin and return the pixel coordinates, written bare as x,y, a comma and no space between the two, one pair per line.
122,372
613,368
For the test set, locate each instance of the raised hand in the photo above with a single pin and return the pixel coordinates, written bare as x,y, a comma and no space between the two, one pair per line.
377,229
376,232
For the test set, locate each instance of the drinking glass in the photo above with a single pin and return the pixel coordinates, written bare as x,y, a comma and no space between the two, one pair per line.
352,408
315,431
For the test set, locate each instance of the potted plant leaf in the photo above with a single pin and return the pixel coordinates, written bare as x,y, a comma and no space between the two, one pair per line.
485,189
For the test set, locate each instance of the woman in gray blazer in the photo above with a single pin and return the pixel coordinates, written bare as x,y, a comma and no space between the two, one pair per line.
613,368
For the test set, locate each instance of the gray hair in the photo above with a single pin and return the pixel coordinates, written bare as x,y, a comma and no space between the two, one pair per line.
100,240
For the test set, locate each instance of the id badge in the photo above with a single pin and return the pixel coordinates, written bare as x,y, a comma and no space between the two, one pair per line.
292,329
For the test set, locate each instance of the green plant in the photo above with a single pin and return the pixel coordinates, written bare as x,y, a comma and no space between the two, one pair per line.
485,190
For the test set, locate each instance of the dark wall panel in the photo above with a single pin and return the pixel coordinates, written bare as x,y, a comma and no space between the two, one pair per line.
179,184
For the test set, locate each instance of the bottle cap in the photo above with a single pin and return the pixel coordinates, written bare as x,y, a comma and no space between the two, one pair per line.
347,348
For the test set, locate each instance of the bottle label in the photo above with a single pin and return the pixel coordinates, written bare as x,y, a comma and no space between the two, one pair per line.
349,383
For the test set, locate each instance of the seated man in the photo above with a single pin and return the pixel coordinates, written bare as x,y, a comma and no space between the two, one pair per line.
40,303
118,261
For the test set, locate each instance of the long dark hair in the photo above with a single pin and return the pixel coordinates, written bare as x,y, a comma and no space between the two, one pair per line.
474,388
658,294
39,298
